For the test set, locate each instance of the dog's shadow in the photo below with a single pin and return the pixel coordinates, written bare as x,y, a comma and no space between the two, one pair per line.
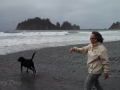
28,81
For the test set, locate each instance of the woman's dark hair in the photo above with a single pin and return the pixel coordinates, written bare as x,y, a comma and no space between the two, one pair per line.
98,36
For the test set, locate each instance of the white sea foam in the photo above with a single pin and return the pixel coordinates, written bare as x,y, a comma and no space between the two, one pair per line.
25,40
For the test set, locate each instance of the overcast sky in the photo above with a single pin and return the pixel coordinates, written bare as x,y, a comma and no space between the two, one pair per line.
85,13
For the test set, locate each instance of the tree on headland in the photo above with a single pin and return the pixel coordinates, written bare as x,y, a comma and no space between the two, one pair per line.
115,26
58,25
66,25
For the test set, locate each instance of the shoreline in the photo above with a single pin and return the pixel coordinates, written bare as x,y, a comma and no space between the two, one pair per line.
52,47
57,69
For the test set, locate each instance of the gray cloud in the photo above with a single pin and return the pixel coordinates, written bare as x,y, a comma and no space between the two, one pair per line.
86,14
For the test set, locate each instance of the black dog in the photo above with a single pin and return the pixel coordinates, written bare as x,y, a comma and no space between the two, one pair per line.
27,63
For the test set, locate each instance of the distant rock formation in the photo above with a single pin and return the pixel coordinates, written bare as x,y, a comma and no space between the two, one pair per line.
115,26
45,24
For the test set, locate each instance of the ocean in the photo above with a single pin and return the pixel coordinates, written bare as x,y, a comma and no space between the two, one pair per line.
21,40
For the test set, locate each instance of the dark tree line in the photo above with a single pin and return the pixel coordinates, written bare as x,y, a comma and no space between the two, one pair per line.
115,25
45,24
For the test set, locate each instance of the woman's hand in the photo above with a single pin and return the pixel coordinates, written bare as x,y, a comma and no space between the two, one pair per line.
71,50
106,75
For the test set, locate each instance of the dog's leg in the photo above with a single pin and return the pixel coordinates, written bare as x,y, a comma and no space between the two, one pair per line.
31,68
27,70
34,71
21,67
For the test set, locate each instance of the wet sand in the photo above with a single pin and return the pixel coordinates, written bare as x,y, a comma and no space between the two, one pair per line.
57,69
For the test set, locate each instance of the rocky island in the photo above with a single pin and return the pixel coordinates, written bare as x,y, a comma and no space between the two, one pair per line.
115,26
45,24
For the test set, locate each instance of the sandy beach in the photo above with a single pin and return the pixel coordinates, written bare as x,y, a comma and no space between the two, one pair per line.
57,69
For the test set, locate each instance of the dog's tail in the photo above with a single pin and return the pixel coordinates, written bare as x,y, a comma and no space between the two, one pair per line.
33,55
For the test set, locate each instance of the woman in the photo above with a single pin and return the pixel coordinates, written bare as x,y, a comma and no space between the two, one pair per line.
97,62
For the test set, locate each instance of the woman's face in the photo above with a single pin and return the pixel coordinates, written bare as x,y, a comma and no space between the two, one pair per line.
93,40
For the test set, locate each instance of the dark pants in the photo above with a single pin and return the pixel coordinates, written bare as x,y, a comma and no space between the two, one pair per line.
92,80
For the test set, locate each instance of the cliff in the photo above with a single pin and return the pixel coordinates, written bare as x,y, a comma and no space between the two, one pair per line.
44,24
115,26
